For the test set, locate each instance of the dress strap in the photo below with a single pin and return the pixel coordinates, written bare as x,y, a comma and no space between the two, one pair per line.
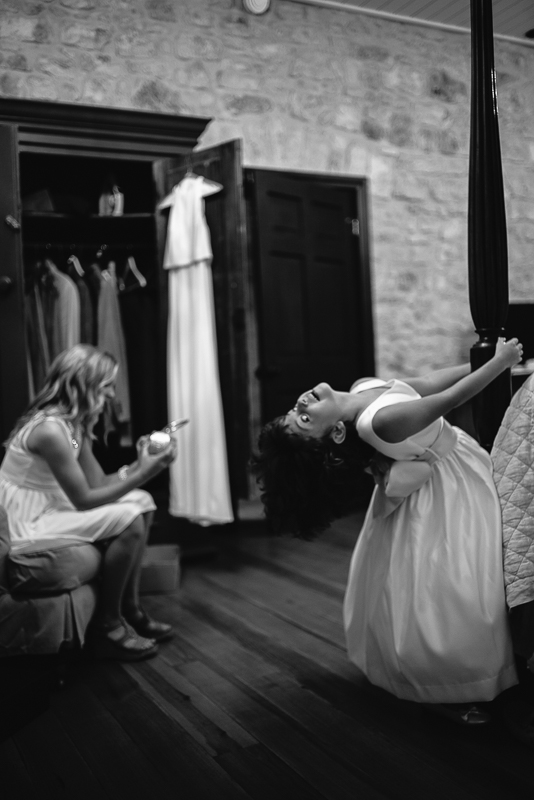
36,420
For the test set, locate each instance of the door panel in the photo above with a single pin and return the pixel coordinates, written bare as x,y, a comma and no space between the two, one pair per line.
225,214
14,392
308,281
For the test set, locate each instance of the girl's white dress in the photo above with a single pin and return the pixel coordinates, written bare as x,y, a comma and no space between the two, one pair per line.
425,613
37,507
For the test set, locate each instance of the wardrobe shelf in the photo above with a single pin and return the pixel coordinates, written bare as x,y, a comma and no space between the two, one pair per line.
60,215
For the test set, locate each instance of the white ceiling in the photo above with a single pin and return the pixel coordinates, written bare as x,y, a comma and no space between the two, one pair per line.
510,17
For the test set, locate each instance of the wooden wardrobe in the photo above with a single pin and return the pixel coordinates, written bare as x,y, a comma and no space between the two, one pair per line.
55,161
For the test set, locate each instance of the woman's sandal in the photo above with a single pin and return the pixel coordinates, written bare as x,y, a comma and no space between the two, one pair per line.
144,625
122,643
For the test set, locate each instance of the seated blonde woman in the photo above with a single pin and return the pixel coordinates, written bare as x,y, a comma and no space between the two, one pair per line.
52,486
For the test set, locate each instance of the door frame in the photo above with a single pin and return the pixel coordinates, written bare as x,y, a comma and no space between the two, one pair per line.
359,185
14,388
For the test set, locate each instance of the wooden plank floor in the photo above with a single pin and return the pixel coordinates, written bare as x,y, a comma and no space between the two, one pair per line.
254,698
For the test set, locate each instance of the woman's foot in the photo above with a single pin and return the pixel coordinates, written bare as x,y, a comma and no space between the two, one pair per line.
462,713
121,643
144,625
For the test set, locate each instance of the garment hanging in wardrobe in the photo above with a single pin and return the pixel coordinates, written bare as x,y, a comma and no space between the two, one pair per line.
62,311
64,318
38,352
111,337
199,481
52,311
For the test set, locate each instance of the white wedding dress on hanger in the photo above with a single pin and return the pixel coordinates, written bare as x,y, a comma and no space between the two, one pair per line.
199,480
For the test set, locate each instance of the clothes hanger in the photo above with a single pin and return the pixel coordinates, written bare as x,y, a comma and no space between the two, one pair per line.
75,261
35,271
168,201
45,270
101,250
96,265
216,187
132,266
111,269
213,188
190,173
51,267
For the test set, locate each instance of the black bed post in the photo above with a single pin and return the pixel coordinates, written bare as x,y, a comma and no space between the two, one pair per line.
487,241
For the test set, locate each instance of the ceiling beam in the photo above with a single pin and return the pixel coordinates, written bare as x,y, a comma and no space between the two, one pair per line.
338,5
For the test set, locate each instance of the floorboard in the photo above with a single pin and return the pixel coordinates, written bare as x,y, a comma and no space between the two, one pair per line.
253,699
118,764
180,761
273,676
15,774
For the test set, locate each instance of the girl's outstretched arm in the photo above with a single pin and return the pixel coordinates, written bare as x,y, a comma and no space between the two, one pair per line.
438,381
396,422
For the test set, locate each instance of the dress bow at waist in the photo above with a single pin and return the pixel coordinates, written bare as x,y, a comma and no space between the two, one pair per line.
401,478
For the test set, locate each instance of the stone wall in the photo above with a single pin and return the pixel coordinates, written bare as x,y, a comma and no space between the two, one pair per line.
314,89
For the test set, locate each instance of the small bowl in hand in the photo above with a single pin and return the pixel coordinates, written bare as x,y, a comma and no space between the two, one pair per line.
158,441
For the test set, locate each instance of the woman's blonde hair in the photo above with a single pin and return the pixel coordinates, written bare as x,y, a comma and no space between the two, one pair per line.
71,388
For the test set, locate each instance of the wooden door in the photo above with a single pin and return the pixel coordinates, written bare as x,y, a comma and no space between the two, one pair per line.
225,215
311,304
14,393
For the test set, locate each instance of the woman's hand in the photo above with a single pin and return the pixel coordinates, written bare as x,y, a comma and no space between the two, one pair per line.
151,464
141,443
509,352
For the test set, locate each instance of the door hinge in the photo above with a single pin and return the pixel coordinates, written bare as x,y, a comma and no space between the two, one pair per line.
11,222
354,225
6,284
248,183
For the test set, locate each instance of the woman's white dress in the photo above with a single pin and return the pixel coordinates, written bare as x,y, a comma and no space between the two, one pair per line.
425,613
37,507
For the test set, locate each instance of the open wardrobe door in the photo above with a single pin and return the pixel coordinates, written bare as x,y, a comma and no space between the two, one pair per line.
221,166
14,390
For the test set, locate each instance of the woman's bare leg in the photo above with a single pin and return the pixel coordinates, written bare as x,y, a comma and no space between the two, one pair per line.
130,601
120,558
131,605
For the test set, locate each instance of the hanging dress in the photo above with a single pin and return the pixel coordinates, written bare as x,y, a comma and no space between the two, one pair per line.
199,480
111,338
38,508
38,352
424,611
65,317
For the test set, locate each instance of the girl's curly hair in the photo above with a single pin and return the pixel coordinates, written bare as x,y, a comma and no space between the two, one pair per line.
306,482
